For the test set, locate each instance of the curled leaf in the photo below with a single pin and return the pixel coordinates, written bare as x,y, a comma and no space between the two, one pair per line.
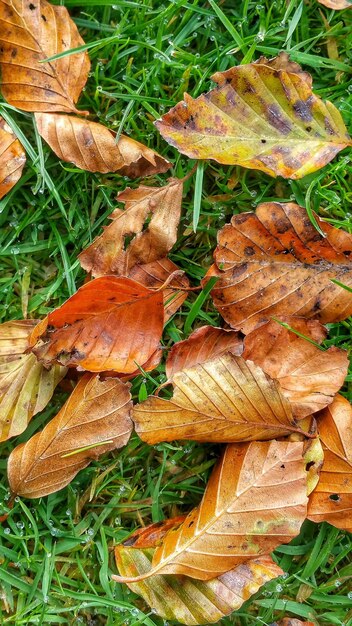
94,420
12,158
189,601
30,33
255,500
309,377
108,324
263,116
331,501
93,147
274,263
25,385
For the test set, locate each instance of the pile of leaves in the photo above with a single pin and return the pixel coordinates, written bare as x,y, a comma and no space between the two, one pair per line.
263,385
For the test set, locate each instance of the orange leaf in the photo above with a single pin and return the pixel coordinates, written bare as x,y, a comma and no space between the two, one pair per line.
274,263
94,420
30,33
152,535
308,376
254,501
263,116
331,501
93,147
12,158
109,324
337,5
292,621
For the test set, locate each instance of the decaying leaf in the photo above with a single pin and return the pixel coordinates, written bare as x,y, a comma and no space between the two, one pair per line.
154,275
30,33
337,5
152,535
152,240
264,116
309,377
93,147
204,344
25,385
189,601
12,158
274,263
108,324
254,501
331,501
226,399
94,420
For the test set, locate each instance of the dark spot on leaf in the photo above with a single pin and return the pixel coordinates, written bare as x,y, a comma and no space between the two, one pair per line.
263,140
335,497
43,17
282,466
347,252
249,251
309,465
303,109
329,129
317,305
274,116
308,129
31,7
14,53
190,524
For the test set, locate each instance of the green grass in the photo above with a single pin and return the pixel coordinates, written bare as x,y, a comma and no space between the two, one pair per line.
56,553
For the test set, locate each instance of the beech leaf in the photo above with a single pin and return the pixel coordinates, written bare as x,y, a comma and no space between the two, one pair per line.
226,399
110,323
337,5
309,377
12,158
263,116
274,263
190,601
161,205
30,33
255,500
93,147
331,501
25,385
94,420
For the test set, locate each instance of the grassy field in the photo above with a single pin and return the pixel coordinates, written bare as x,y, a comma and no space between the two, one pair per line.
56,554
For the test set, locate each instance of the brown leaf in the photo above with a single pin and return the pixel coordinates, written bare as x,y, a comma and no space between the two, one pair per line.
93,147
274,263
331,501
337,5
108,324
292,621
25,385
189,601
204,344
12,158
254,501
309,377
263,116
94,420
226,399
108,254
152,535
154,275
30,33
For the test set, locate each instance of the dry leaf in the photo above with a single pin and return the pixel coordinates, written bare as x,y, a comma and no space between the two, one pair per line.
254,501
30,33
108,324
274,263
94,420
93,147
154,275
25,385
204,344
226,399
331,501
264,116
309,377
12,158
152,239
337,5
189,601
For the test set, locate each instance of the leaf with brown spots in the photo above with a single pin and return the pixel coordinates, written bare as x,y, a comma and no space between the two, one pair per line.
188,601
93,147
331,501
309,377
263,116
110,323
12,158
337,5
25,385
94,420
274,263
31,32
151,216
254,501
